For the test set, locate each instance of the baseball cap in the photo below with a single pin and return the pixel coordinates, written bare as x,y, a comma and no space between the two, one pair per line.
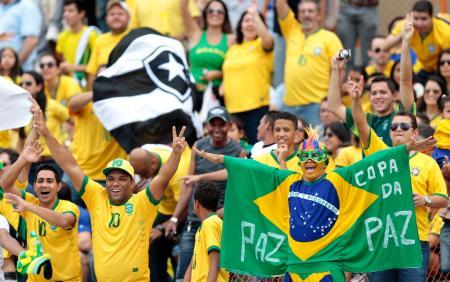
122,4
218,112
120,164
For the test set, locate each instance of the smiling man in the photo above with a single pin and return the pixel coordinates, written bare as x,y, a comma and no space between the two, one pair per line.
53,220
122,220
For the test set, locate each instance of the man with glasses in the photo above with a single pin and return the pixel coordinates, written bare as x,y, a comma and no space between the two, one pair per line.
379,57
428,185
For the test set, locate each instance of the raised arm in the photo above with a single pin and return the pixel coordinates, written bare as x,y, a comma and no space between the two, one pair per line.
282,8
193,30
60,154
406,94
261,29
63,220
170,167
30,154
391,41
335,104
359,117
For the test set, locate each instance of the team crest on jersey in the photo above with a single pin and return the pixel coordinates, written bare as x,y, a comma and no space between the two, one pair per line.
129,208
431,48
53,227
415,171
317,50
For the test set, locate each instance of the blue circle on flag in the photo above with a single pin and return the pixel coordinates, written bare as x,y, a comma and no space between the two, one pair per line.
313,209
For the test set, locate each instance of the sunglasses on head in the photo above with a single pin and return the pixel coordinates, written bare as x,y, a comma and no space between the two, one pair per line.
403,126
26,83
48,65
315,155
217,11
443,62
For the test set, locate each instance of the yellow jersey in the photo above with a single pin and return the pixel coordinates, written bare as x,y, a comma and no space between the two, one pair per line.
163,16
270,159
67,44
55,115
436,224
8,138
247,74
348,156
92,145
387,71
435,120
426,179
207,239
442,134
103,46
429,47
331,164
120,234
59,243
173,190
365,101
67,88
307,67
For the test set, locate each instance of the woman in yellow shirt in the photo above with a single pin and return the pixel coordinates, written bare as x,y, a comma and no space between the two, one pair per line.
58,87
247,71
435,87
336,137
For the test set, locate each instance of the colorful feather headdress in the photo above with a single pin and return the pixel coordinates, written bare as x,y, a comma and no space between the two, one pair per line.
312,143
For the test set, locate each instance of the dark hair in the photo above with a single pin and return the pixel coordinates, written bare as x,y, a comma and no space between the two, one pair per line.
408,114
391,75
226,26
443,52
444,100
388,81
359,69
421,105
13,155
15,70
41,99
64,193
340,131
425,131
394,21
207,194
288,116
47,166
305,125
422,116
50,54
80,4
239,124
239,34
271,116
424,7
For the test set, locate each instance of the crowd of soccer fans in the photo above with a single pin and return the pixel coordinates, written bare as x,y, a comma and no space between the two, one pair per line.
275,67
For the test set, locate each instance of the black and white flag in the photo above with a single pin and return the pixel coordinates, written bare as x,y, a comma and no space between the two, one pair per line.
146,89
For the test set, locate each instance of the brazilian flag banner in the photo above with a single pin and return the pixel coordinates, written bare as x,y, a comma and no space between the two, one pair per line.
358,218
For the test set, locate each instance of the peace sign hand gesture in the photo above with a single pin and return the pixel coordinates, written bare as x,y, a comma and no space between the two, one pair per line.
178,141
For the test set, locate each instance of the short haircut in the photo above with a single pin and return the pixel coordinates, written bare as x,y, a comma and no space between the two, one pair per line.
288,116
388,81
410,115
207,194
64,193
422,116
423,6
80,4
271,116
47,166
425,131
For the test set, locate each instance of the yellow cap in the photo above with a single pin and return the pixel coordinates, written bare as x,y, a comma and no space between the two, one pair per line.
120,164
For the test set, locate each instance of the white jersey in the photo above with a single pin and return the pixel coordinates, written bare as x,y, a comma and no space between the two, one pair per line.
259,149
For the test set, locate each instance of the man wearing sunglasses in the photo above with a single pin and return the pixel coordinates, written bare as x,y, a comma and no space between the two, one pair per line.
379,57
428,185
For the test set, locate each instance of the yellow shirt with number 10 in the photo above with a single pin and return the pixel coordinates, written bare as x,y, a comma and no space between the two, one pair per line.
120,234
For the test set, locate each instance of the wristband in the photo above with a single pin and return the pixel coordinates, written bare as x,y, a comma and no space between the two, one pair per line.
173,219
